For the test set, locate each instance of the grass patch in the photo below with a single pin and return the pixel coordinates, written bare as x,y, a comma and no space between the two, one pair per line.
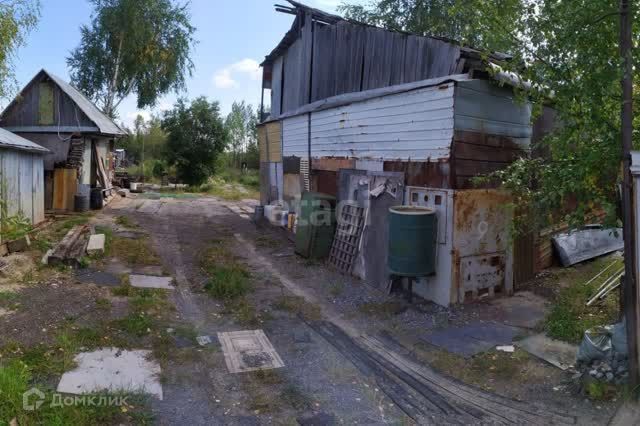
227,282
126,222
16,379
383,310
8,298
228,277
132,251
266,241
569,316
136,324
299,306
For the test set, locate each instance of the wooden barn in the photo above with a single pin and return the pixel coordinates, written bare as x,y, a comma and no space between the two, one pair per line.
352,103
79,137
21,177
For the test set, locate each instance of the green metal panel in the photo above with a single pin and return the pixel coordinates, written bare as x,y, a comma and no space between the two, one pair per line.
412,241
316,225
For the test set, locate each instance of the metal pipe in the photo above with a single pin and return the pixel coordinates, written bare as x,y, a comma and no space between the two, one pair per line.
601,272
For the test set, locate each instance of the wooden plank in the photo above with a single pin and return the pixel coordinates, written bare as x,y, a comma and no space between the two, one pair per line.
26,185
38,189
65,184
276,91
11,181
349,57
71,248
324,48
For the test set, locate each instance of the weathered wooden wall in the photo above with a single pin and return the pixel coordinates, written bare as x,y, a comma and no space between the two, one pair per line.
27,110
492,129
345,57
22,179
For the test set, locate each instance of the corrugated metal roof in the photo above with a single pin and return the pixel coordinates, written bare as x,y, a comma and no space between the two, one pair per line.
104,123
13,141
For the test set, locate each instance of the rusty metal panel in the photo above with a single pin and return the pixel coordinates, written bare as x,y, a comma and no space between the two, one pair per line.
482,272
434,174
332,164
482,222
325,182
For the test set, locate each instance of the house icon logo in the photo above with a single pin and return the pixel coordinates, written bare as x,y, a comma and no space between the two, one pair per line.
32,399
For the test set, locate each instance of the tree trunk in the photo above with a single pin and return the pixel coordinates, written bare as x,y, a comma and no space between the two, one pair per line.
111,94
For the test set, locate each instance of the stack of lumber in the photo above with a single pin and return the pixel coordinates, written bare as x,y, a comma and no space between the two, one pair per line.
72,248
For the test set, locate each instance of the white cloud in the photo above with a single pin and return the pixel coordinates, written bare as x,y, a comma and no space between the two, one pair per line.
226,78
134,114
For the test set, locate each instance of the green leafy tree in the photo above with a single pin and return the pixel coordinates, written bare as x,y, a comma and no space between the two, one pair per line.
139,47
196,136
569,52
17,18
241,126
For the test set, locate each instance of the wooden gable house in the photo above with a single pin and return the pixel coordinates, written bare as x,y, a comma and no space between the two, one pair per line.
79,137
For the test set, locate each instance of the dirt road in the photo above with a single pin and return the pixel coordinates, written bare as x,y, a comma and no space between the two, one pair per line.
343,364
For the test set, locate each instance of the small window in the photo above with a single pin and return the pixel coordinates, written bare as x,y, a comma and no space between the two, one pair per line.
438,200
426,198
414,197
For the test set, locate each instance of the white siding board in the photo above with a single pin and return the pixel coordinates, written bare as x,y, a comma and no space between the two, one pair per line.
416,125
295,135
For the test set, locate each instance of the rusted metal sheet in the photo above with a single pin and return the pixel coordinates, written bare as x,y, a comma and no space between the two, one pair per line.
479,154
332,164
434,174
325,182
482,220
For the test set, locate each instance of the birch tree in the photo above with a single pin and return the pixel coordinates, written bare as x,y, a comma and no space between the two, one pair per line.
139,47
17,18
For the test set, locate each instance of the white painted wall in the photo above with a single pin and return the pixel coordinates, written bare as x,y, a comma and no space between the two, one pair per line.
295,136
416,125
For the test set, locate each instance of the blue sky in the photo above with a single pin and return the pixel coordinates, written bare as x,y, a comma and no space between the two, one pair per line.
234,36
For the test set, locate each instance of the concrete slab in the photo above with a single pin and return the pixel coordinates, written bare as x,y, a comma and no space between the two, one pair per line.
113,370
96,244
150,281
248,350
101,278
555,352
627,414
524,309
472,339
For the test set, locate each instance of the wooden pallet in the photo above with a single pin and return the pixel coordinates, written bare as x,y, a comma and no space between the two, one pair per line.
347,238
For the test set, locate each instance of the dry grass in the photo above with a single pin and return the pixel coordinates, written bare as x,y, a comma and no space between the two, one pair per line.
133,251
299,306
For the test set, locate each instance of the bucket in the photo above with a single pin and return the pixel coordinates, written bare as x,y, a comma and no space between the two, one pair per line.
133,186
80,203
96,199
258,213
